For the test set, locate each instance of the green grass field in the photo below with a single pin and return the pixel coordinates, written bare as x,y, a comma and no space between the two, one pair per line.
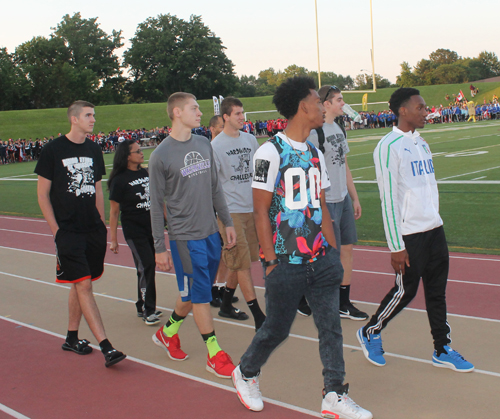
466,160
46,122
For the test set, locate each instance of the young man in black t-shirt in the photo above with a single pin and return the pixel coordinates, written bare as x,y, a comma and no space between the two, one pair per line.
70,196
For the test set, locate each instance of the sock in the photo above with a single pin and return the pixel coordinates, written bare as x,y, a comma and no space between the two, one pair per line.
227,299
344,295
173,324
215,292
257,313
105,346
212,345
440,350
72,337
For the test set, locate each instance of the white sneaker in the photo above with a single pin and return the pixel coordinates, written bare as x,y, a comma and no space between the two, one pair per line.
248,390
342,407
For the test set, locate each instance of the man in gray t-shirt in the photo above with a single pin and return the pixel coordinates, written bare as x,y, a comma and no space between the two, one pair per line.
233,155
341,198
182,175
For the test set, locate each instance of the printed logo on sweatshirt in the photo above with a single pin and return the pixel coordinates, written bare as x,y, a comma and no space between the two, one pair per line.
195,164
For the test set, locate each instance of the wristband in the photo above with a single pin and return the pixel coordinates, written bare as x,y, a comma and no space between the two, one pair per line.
270,262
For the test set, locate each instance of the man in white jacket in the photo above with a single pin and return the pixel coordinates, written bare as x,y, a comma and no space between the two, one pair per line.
414,232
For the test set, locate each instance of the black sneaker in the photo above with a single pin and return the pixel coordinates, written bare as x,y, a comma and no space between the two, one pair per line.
234,313
113,357
348,311
303,308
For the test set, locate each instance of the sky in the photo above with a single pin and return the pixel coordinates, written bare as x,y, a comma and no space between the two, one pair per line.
277,33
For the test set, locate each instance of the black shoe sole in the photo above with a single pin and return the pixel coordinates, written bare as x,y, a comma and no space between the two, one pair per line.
114,361
240,315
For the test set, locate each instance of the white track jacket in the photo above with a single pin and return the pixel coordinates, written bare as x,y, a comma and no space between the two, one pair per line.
407,185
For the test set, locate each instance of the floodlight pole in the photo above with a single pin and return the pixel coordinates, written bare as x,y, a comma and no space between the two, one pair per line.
371,51
317,41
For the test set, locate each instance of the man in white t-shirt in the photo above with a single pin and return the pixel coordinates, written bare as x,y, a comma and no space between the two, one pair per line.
233,155
341,197
299,250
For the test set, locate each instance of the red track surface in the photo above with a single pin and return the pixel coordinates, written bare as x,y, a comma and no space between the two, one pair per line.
51,383
372,276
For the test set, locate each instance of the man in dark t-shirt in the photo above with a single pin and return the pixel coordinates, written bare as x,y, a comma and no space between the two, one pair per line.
70,196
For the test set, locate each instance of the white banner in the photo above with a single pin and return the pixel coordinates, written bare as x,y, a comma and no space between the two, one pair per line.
216,105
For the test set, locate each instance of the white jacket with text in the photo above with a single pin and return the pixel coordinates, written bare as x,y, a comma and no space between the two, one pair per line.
407,185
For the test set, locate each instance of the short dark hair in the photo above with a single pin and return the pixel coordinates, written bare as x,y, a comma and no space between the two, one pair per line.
76,108
325,92
213,121
400,97
227,105
289,94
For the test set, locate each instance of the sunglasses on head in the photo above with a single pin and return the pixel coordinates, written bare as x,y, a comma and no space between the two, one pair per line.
328,92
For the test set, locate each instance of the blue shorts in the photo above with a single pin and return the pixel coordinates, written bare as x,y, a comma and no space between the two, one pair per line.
196,263
344,226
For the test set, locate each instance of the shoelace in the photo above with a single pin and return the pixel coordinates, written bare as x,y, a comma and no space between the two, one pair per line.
253,388
376,346
349,402
454,354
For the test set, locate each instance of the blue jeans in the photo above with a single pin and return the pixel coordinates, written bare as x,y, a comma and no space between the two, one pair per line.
285,285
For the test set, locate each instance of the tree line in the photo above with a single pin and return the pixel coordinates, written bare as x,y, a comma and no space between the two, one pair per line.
167,54
447,67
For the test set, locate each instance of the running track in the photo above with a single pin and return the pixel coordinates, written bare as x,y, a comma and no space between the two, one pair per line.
49,384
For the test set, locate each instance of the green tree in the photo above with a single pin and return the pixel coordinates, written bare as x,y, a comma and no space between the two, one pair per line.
90,48
443,56
169,54
332,79
450,73
54,82
406,78
489,63
247,86
423,71
365,82
14,87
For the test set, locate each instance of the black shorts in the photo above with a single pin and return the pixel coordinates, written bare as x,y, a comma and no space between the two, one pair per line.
80,256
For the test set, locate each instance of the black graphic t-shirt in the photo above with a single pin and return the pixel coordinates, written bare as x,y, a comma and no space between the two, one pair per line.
131,190
74,169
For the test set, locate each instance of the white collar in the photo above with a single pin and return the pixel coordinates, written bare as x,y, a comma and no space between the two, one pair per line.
413,135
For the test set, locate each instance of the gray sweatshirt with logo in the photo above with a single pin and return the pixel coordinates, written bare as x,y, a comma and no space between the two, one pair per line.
184,176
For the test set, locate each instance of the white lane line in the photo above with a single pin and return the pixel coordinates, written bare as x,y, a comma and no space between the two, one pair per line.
449,280
12,413
170,371
451,256
470,173
355,270
36,220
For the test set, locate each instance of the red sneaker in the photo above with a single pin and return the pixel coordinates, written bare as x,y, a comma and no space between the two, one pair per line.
221,365
171,345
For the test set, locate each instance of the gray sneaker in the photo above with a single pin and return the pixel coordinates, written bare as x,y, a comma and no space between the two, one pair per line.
152,319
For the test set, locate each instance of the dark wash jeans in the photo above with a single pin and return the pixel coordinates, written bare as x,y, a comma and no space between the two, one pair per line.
285,285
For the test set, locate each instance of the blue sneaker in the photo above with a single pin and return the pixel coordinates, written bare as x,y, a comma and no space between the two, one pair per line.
452,360
372,349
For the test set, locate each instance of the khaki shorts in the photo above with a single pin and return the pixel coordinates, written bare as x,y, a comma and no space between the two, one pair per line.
246,251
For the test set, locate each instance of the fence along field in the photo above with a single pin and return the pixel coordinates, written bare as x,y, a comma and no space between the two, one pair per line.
466,160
